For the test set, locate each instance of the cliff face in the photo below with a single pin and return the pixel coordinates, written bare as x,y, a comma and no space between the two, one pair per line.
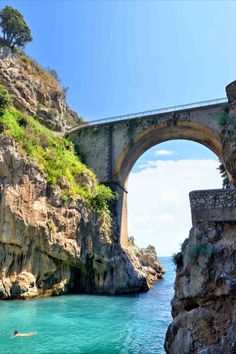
34,91
204,305
55,228
48,247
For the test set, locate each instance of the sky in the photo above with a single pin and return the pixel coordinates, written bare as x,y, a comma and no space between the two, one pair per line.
120,57
158,188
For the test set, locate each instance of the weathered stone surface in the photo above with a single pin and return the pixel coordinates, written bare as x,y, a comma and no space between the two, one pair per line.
49,247
111,149
204,304
231,92
146,260
24,286
213,205
34,91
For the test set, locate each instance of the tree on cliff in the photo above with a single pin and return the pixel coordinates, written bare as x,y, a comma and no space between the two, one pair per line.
224,176
15,32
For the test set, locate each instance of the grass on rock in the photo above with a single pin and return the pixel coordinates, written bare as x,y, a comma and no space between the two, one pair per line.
56,158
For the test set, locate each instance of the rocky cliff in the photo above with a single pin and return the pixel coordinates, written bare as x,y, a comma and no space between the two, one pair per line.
34,91
204,304
55,226
51,247
146,260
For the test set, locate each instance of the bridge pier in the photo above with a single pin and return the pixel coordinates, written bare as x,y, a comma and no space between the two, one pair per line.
119,211
111,147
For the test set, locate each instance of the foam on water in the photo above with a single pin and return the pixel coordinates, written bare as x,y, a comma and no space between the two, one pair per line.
88,324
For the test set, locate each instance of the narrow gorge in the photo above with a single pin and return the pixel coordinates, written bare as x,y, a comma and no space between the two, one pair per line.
57,234
62,231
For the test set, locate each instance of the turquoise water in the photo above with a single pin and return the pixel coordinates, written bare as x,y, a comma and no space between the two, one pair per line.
89,324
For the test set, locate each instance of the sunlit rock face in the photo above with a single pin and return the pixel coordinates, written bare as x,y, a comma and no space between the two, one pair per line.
34,91
50,247
146,260
204,305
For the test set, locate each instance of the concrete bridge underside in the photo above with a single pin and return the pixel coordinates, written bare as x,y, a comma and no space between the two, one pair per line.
111,149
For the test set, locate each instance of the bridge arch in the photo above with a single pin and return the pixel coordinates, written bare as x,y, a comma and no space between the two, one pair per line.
151,137
112,146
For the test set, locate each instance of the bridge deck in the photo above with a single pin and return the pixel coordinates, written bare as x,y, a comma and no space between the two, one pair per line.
171,109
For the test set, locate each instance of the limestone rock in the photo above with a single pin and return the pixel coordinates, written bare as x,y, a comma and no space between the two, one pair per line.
50,247
146,260
34,91
24,286
231,92
204,304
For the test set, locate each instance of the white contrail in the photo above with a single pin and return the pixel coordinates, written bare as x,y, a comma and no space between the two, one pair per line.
112,32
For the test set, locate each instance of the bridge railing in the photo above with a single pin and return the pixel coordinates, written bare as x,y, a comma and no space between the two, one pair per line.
152,112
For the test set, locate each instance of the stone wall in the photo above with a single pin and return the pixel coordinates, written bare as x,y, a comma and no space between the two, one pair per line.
213,205
111,149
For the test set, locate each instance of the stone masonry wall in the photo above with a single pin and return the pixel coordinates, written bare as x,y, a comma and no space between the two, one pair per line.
213,205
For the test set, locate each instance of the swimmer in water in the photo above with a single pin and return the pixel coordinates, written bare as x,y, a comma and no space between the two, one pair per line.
18,334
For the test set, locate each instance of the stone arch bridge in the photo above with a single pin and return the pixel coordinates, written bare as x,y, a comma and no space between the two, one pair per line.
110,147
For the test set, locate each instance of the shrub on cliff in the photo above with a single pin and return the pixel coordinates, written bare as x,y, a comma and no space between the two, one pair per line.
56,76
224,176
198,249
177,259
4,99
15,32
55,157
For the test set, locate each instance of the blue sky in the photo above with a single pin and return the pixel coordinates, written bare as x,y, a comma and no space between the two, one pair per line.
158,188
127,56
176,150
121,57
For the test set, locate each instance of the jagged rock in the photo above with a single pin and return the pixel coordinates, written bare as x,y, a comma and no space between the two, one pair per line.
34,91
24,286
204,304
146,260
231,92
49,247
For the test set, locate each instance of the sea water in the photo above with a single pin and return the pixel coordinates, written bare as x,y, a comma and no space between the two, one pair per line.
90,324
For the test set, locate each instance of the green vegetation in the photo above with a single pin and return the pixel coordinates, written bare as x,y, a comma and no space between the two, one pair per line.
99,200
30,67
51,225
177,259
55,157
54,73
198,249
5,99
224,176
14,29
228,125
223,119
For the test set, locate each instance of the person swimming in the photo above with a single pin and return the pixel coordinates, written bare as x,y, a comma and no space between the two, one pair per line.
18,334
